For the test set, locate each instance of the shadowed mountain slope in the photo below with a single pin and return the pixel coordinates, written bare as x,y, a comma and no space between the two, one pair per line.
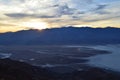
65,35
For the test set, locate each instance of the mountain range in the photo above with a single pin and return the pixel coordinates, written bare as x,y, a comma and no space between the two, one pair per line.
62,36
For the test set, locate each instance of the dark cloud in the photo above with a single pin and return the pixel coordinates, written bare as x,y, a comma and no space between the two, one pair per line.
75,18
22,15
44,16
102,12
65,10
99,7
17,15
81,12
56,5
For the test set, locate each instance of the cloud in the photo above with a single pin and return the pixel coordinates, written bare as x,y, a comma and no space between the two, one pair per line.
46,8
17,15
6,24
23,15
54,11
77,9
57,12
101,7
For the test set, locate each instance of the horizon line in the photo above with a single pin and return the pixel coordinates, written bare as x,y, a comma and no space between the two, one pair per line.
61,27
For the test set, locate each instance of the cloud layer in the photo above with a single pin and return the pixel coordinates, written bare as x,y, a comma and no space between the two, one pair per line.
59,12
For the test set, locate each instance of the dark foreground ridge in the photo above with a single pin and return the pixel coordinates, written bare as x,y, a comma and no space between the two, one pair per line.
62,36
15,70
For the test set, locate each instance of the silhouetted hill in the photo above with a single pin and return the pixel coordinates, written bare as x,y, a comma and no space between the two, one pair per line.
15,70
65,35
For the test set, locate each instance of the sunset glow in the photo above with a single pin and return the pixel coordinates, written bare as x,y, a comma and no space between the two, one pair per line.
35,25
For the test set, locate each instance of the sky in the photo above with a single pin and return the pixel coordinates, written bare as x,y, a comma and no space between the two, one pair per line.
40,14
